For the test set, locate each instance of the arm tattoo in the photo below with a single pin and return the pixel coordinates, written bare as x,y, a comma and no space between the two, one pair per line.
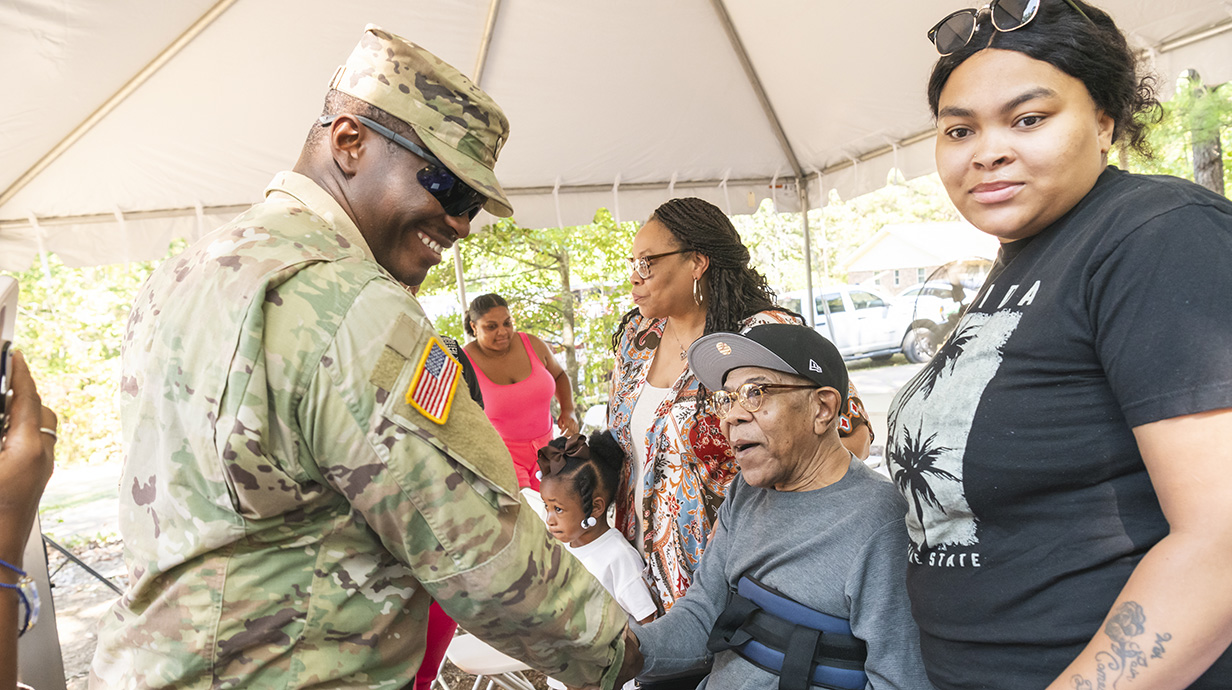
1124,657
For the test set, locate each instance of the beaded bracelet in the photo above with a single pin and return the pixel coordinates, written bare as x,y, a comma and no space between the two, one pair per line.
27,591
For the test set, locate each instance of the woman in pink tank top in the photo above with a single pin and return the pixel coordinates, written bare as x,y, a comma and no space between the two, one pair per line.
518,376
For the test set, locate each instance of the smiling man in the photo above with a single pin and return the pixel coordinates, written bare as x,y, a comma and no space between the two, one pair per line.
302,476
803,578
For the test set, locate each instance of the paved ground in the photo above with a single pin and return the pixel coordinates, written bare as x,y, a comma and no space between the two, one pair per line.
81,502
79,511
877,386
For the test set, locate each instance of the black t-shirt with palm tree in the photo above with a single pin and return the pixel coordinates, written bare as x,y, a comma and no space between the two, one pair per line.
1028,501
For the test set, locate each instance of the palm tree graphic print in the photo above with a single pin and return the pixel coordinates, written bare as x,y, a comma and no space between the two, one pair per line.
930,420
917,463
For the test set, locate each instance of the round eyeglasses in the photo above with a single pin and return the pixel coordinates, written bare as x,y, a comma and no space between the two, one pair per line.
750,396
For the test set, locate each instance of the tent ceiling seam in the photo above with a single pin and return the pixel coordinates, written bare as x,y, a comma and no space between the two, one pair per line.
738,47
52,221
674,183
116,99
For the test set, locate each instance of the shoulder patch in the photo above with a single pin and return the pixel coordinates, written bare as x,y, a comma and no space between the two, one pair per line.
434,382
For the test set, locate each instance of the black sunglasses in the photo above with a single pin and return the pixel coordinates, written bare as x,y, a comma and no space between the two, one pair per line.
956,30
455,196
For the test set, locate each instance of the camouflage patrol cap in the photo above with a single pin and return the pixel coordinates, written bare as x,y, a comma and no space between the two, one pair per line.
458,122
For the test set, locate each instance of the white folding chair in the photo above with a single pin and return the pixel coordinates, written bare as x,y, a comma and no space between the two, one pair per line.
473,656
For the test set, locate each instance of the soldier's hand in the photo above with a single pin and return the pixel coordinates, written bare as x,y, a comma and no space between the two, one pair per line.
630,666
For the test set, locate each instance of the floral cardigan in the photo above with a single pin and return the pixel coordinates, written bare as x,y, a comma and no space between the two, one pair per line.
688,464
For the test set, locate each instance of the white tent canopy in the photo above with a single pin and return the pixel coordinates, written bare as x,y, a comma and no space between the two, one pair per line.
129,122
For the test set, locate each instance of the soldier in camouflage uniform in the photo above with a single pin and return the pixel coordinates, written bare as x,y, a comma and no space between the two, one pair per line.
291,501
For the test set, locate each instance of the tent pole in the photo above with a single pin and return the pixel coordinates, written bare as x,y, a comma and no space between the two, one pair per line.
489,28
810,306
481,60
1195,37
457,267
807,308
117,98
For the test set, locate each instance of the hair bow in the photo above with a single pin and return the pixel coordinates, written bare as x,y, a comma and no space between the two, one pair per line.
552,459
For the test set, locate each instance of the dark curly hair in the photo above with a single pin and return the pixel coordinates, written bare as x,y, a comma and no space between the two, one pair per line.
1094,52
733,290
478,307
598,475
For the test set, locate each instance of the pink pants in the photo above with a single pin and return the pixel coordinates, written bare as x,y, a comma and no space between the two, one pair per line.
525,456
440,633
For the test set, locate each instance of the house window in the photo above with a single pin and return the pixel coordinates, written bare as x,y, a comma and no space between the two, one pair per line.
920,275
897,278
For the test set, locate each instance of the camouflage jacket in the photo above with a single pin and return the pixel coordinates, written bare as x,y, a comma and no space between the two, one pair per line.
287,516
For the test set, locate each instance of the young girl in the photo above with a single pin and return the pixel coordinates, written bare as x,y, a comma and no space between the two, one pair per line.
577,483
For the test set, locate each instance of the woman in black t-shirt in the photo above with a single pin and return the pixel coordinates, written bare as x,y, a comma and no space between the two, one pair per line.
1067,454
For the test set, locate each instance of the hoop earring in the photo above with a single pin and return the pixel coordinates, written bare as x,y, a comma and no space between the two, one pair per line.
697,293
589,522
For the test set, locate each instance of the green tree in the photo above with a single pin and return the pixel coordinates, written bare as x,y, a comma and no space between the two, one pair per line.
566,285
70,325
777,245
1193,111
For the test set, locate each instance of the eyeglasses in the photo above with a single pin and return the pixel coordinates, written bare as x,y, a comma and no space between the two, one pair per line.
454,195
956,30
750,396
642,263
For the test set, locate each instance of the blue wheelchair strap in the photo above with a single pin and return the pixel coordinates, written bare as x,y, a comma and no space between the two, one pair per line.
802,646
776,604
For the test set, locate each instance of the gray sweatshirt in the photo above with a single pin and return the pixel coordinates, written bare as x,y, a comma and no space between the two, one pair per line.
840,550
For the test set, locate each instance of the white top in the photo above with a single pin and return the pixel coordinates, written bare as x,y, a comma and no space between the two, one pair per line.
535,501
618,567
644,414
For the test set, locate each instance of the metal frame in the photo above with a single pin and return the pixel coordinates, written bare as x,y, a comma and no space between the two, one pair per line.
481,61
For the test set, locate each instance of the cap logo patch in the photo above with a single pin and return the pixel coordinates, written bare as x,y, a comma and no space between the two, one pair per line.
814,366
723,348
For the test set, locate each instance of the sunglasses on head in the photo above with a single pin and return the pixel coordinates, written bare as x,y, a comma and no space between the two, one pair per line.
454,195
956,30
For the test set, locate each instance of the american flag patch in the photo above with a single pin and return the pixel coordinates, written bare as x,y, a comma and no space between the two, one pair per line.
434,383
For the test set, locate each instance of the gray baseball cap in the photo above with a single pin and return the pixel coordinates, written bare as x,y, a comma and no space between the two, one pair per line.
787,348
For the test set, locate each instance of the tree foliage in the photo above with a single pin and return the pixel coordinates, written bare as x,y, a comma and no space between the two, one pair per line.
1191,109
566,285
70,326
776,241
570,285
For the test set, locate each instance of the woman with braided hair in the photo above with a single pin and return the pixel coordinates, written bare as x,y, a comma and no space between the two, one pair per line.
690,276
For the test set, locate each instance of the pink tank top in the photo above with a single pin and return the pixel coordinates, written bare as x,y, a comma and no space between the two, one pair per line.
520,411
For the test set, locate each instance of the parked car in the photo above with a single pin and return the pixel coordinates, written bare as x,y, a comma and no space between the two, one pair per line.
866,323
933,301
